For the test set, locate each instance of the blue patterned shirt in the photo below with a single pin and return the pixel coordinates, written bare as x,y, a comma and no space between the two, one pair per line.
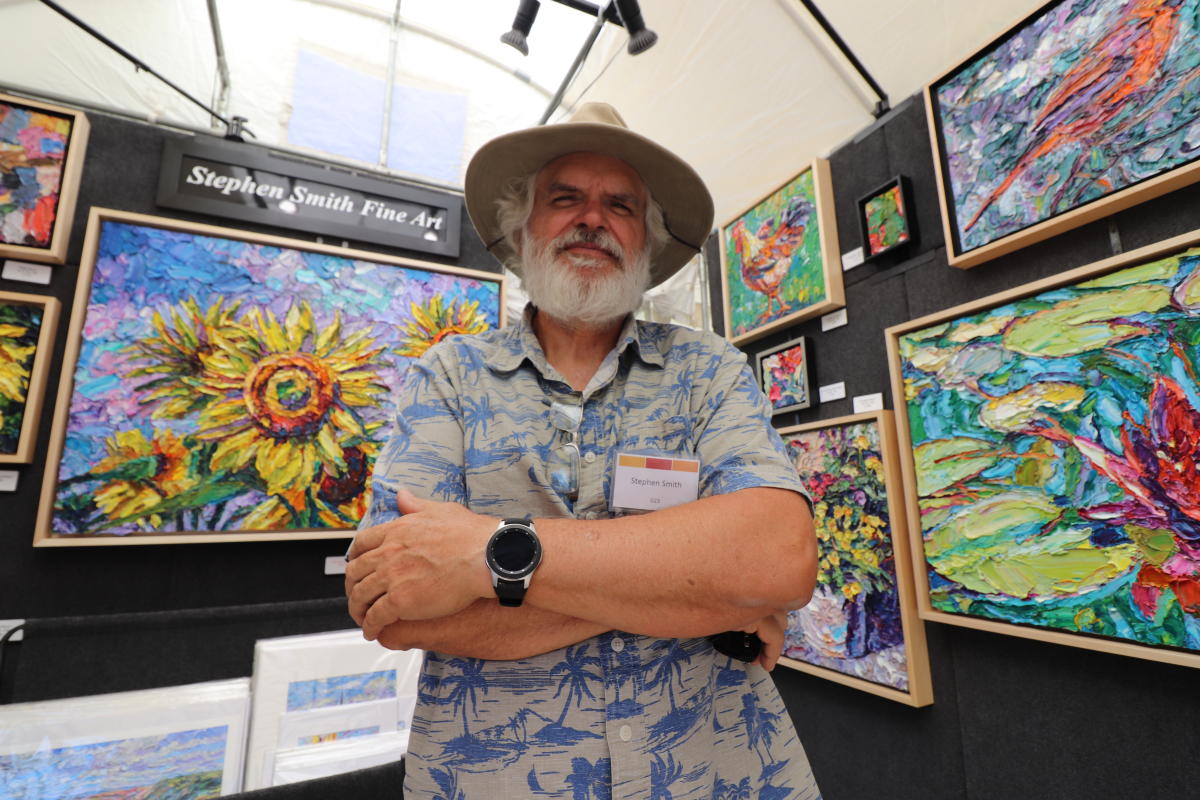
620,715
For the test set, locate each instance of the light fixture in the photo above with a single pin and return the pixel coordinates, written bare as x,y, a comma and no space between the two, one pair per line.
622,12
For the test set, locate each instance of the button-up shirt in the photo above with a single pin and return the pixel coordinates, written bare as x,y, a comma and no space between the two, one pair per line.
484,421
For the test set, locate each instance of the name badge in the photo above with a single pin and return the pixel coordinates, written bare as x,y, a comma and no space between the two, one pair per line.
648,483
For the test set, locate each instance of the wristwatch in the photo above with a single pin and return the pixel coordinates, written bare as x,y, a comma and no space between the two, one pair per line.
512,554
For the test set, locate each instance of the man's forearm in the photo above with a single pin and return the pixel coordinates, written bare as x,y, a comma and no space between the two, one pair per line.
485,629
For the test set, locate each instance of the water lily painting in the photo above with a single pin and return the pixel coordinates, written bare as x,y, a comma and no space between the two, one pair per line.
780,261
1082,109
1055,439
41,161
861,626
27,328
222,384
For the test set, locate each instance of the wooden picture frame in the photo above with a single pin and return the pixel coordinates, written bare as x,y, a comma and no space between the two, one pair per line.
223,385
25,357
766,262
861,629
44,153
1046,434
886,224
1023,159
783,376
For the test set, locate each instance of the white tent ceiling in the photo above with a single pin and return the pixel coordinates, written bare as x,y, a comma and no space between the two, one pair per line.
748,91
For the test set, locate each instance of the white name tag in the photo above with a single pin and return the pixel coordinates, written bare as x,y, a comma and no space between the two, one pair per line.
648,483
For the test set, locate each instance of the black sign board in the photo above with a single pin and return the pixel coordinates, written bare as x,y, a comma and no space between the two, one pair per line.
246,182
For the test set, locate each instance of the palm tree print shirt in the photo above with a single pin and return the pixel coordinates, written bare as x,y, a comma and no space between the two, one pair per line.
619,715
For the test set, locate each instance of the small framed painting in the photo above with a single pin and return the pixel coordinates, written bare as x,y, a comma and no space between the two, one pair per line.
41,160
861,628
779,259
783,376
27,326
885,219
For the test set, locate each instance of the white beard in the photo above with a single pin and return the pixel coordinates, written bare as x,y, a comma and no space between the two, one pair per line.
560,285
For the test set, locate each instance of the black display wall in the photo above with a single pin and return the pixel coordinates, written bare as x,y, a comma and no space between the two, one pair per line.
1012,718
121,171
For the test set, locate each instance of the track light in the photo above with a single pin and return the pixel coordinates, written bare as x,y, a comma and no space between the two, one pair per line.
622,12
526,14
641,38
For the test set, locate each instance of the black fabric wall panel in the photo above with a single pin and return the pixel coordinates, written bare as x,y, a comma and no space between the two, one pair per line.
1160,218
910,154
856,169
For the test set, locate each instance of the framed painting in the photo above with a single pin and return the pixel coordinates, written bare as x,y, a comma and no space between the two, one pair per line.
220,385
184,742
783,376
321,689
41,161
861,628
1083,108
1050,437
779,259
27,326
885,219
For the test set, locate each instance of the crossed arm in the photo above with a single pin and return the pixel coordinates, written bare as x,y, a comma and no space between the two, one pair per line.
727,562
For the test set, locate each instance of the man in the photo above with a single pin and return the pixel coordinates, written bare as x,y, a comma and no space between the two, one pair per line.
564,619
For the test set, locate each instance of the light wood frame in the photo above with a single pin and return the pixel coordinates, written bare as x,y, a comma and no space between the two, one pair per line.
892,336
43,535
920,686
1078,216
39,370
835,296
68,192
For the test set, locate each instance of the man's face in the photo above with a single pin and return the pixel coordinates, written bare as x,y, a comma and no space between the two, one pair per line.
589,192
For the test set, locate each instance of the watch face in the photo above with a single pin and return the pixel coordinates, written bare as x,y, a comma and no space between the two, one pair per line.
515,550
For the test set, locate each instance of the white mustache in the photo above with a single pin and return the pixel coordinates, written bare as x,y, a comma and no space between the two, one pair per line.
602,239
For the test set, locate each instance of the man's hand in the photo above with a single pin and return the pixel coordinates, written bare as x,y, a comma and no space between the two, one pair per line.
770,630
426,564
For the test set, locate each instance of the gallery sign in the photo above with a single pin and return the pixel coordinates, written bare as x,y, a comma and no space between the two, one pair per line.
245,182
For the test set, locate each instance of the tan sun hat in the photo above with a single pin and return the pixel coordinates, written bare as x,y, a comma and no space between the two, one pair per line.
594,127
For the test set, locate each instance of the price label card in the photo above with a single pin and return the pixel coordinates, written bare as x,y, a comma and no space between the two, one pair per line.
852,259
868,402
833,320
24,271
647,483
8,480
832,391
335,565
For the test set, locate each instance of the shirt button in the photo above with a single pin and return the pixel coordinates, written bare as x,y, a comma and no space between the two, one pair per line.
626,733
618,644
589,457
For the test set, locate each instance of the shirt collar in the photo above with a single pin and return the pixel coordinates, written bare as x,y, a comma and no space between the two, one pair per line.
519,342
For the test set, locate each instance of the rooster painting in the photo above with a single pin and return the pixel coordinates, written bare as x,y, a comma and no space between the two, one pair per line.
773,257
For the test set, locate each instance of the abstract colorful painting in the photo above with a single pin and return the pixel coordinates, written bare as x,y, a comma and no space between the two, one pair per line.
861,626
27,327
41,158
1055,440
885,218
225,383
780,263
182,742
783,376
1080,102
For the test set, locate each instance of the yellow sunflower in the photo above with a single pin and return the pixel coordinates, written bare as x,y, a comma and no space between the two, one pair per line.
339,500
149,470
14,359
176,354
435,321
284,397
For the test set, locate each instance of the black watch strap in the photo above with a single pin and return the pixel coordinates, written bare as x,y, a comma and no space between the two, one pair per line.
510,593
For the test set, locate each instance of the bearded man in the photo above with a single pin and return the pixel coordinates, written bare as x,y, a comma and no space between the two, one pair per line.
574,504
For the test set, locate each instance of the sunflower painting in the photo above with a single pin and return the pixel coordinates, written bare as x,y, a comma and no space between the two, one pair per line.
233,384
26,332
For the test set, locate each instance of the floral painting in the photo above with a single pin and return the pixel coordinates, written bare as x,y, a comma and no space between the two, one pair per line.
224,384
783,372
777,263
885,220
36,175
20,326
853,622
1084,99
1055,442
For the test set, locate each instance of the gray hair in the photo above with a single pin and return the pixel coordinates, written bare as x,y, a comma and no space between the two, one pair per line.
515,204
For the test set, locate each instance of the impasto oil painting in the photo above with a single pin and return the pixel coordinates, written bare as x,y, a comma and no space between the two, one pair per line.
1056,444
225,384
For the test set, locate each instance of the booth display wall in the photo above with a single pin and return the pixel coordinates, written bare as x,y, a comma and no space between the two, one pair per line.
121,171
1011,717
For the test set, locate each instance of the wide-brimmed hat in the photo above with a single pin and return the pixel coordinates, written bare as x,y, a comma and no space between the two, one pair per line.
594,127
